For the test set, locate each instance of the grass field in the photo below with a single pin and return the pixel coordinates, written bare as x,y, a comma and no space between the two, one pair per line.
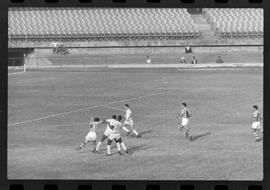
46,109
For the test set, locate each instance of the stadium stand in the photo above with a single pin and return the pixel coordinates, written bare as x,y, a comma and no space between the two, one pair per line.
235,23
100,24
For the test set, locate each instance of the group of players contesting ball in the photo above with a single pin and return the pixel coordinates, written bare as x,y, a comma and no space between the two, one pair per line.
114,125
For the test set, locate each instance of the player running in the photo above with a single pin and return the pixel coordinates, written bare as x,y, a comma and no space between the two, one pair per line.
256,124
129,121
106,134
116,125
185,115
91,136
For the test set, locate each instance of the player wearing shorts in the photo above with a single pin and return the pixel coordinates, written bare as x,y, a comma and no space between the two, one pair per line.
185,115
106,133
256,124
129,121
116,125
91,136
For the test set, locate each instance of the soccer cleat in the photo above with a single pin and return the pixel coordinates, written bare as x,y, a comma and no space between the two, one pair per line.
258,139
126,151
108,154
94,151
128,133
138,136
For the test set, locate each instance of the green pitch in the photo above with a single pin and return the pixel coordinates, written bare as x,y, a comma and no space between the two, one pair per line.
46,111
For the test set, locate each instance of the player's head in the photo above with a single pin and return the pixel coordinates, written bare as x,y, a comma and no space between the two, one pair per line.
126,106
184,104
119,118
255,107
114,116
91,119
96,119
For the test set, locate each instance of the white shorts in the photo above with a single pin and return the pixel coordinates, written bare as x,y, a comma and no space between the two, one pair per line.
115,136
91,136
107,132
256,125
184,121
129,122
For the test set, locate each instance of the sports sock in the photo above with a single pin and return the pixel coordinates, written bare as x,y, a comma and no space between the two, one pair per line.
123,146
98,145
135,132
126,129
118,146
83,144
108,149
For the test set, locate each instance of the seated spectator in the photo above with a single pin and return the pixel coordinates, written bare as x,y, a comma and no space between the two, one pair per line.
188,49
183,60
148,60
219,60
194,60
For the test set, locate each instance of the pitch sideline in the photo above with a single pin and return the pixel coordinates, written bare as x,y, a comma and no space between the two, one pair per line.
82,109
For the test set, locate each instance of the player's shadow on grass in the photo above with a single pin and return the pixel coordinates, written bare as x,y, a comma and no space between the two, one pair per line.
195,137
133,149
144,132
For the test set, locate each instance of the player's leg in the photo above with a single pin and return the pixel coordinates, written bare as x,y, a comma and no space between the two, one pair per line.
123,145
133,129
187,132
100,142
255,134
125,127
109,147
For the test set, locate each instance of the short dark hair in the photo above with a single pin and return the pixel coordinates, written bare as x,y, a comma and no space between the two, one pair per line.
184,104
255,107
114,117
127,105
96,119
119,118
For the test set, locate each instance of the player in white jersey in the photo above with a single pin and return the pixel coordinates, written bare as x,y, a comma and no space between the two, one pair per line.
185,115
256,124
106,133
91,135
116,125
129,121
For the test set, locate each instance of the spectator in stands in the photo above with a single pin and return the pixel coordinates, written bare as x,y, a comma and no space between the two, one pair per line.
55,47
183,60
194,60
148,60
188,49
219,60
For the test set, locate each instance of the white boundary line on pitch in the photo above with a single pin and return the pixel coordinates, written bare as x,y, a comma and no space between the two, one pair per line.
114,108
212,69
82,109
16,73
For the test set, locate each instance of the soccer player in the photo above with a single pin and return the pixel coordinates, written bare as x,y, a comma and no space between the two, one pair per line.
185,115
115,135
91,136
129,121
256,124
106,134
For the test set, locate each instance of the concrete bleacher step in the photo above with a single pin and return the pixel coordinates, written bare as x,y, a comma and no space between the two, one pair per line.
204,27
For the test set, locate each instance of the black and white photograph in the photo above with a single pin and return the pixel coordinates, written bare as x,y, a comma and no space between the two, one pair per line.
135,93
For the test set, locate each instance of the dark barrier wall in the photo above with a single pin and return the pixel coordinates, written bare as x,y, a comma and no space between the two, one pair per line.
16,55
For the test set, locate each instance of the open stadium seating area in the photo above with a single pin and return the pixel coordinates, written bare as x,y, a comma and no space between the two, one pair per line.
100,23
235,22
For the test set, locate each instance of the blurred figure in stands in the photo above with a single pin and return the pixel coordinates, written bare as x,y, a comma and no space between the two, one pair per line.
219,60
194,60
183,60
148,60
55,47
188,49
